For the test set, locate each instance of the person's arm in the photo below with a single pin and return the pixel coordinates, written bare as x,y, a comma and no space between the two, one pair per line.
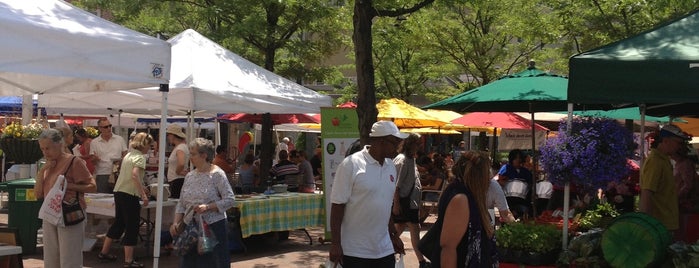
436,186
173,229
83,180
224,191
501,203
506,216
39,184
89,187
395,208
337,214
454,227
136,178
398,246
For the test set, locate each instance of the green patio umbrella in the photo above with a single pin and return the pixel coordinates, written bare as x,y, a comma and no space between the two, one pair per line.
531,90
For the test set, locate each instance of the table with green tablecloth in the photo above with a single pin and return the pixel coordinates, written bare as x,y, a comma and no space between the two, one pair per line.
280,212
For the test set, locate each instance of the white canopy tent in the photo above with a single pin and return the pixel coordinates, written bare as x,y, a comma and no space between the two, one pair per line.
205,77
51,46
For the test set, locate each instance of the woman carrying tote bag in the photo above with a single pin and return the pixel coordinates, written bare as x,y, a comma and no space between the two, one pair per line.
59,241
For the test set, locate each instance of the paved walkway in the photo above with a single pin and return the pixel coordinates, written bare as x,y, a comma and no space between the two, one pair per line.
262,252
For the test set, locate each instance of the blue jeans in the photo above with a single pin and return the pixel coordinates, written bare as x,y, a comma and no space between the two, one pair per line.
219,258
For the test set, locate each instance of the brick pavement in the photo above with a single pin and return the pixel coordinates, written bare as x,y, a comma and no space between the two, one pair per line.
262,252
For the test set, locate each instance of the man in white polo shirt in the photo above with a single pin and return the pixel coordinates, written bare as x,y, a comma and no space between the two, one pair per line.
363,234
105,150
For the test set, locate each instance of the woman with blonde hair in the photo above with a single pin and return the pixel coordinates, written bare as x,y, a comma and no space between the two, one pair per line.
128,191
467,237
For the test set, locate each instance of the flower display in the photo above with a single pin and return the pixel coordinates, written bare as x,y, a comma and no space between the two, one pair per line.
16,130
592,155
92,132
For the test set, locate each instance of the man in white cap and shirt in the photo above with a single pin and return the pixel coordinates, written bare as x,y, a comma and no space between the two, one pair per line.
106,151
363,234
658,190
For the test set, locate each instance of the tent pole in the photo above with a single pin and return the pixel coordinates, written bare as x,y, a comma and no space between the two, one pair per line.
534,170
164,88
642,109
566,189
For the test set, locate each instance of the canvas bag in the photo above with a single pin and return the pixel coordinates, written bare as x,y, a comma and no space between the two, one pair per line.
51,209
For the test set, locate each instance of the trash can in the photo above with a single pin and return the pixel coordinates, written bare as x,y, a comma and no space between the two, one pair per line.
23,211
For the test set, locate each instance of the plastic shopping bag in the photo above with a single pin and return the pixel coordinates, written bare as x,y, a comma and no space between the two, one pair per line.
330,264
399,261
207,239
51,210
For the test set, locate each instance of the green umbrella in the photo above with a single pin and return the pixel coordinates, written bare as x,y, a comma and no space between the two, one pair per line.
531,90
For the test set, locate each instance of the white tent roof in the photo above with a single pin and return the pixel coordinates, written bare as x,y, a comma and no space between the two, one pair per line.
52,46
204,76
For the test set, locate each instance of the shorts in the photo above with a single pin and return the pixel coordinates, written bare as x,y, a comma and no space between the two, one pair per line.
409,215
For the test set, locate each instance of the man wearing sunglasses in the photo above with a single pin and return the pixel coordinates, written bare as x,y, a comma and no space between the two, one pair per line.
105,151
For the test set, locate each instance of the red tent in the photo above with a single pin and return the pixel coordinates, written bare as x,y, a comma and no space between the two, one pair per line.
495,119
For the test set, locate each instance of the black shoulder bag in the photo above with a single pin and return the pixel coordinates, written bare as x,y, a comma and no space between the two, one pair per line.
72,211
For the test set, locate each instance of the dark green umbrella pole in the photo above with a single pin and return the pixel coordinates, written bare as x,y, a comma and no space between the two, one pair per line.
535,166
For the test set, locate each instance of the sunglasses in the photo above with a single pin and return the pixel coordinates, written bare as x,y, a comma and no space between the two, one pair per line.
107,126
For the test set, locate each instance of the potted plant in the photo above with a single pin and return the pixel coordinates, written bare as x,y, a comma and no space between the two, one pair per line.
593,154
528,243
20,144
601,216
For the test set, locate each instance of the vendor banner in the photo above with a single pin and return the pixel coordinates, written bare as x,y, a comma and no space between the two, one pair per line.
339,129
519,139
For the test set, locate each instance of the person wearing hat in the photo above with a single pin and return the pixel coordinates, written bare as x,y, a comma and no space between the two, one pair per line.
106,151
658,190
363,234
459,150
282,146
178,159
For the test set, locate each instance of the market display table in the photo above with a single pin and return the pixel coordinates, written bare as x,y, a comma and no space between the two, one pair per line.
103,205
279,212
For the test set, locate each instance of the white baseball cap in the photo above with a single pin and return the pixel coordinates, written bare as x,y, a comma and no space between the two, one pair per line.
385,128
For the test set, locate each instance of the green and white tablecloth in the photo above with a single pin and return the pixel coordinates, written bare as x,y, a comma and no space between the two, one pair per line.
280,212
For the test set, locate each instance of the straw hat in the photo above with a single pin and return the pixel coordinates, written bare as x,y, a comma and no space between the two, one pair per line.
176,130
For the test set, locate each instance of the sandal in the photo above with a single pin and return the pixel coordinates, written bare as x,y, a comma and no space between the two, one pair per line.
133,264
106,257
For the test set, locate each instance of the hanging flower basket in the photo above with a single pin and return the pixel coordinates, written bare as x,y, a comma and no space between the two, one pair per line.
21,151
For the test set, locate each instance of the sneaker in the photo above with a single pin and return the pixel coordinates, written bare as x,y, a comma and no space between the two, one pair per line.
106,257
133,264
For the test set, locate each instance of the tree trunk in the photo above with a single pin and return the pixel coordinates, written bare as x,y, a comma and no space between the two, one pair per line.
269,59
366,92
